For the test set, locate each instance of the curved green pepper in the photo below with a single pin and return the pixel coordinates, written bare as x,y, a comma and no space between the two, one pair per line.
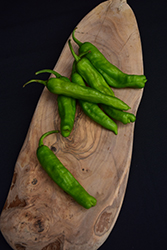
89,73
59,174
62,87
66,107
92,110
113,76
119,115
94,79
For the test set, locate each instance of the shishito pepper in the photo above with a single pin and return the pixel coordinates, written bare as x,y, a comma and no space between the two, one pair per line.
113,76
61,175
119,115
89,73
66,107
92,110
95,80
61,87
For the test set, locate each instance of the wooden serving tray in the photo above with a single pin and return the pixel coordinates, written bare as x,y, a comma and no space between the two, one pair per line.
37,214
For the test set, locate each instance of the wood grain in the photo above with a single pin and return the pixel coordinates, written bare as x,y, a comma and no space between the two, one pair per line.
37,214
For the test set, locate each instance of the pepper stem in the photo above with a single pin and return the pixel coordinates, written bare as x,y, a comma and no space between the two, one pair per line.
44,135
77,58
34,80
48,71
75,39
73,68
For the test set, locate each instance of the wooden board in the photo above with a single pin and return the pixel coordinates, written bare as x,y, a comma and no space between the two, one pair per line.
37,214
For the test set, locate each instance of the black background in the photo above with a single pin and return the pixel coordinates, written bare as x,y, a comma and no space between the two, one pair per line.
32,36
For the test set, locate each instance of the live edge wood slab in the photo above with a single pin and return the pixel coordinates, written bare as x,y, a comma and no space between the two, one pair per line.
37,214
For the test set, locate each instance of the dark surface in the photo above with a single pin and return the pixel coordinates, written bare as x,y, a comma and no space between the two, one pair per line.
32,37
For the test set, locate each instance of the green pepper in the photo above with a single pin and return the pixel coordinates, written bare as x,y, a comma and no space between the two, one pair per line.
113,76
66,107
88,72
119,115
92,110
61,87
61,175
94,79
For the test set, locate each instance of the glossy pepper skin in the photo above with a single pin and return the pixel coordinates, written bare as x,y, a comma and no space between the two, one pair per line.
59,174
119,115
92,110
62,87
94,79
89,73
66,107
113,76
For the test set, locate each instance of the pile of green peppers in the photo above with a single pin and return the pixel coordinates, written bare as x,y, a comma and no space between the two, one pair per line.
92,77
